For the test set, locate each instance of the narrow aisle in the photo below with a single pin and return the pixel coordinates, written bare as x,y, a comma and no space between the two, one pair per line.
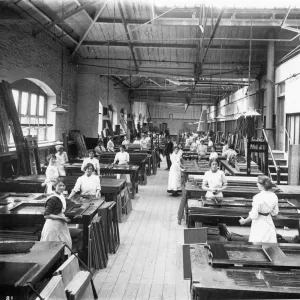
148,263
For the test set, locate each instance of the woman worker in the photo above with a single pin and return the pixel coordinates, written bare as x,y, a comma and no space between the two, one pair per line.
264,206
126,142
100,148
110,145
91,160
201,149
122,158
174,183
55,228
62,159
214,180
51,174
87,184
213,154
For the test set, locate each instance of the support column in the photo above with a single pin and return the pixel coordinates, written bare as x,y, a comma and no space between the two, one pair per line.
270,89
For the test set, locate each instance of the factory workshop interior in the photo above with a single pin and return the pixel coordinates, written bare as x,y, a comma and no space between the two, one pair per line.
149,149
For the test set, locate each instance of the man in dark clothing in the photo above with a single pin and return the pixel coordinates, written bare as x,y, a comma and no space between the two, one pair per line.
168,152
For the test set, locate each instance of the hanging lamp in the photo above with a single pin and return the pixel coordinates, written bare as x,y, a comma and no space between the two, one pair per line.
60,108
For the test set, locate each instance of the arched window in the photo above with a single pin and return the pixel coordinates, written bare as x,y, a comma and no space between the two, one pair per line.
31,103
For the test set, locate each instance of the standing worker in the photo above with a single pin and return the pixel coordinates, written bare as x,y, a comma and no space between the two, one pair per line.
61,160
264,206
168,152
55,228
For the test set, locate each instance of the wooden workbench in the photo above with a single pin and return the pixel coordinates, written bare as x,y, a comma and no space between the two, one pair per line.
48,255
197,212
238,283
35,216
224,165
74,169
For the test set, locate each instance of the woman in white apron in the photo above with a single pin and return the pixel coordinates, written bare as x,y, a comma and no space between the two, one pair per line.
62,159
201,149
51,174
264,206
87,184
213,154
122,158
174,182
214,180
55,228
92,160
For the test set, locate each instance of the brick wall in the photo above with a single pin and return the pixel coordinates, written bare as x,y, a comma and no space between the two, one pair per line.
23,56
93,89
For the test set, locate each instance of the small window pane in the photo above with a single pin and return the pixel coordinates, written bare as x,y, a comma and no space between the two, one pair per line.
41,134
11,138
41,106
33,104
42,120
16,97
33,131
24,120
25,131
33,121
24,103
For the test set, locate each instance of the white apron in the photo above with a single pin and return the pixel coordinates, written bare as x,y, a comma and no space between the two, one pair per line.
263,230
174,182
214,182
56,230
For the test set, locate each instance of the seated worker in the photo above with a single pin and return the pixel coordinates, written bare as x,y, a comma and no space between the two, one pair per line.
213,154
91,160
136,141
122,158
125,142
87,184
61,160
214,180
51,174
202,149
110,145
193,146
100,148
225,148
143,142
210,142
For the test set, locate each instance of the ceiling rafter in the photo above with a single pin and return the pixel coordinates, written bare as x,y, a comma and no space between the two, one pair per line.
68,15
48,19
100,10
121,8
226,22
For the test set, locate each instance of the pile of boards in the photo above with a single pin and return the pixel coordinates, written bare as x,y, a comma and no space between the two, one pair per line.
97,248
69,283
21,234
78,138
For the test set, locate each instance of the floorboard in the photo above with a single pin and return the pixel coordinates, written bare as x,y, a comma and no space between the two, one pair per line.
148,263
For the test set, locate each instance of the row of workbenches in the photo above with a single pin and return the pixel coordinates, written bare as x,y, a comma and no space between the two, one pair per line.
222,264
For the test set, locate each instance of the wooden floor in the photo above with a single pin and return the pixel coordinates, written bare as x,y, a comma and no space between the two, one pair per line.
148,263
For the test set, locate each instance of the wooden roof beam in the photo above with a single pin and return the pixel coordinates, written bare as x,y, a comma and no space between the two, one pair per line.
68,15
101,8
226,22
181,46
48,19
121,4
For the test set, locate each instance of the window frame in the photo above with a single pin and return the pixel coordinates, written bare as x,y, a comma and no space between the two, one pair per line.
32,126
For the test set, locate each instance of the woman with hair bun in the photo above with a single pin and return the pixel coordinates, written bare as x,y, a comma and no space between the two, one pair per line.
87,184
55,228
214,180
174,182
264,206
